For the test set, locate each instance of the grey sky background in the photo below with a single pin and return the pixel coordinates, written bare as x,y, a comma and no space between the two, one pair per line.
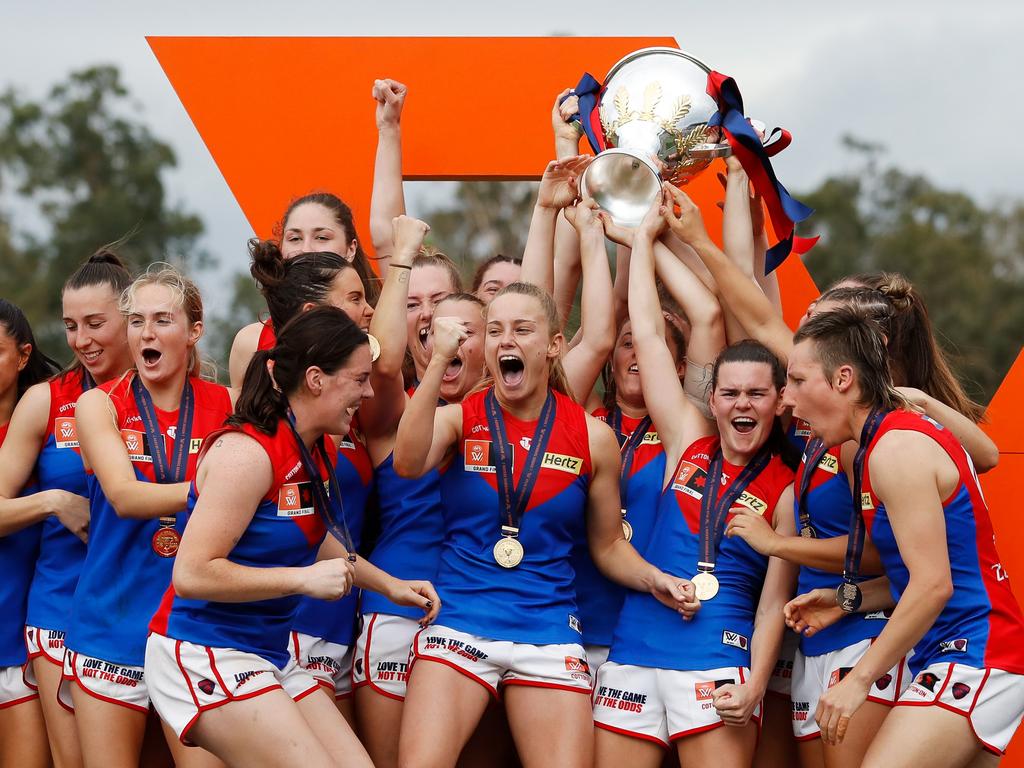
936,82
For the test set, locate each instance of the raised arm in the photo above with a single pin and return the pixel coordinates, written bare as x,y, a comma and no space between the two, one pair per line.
740,295
584,362
103,451
18,457
414,456
388,198
678,421
559,188
388,325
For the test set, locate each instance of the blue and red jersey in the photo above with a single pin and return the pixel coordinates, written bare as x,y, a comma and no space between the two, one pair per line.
829,504
650,634
59,466
123,577
286,531
17,560
981,625
534,602
598,599
336,621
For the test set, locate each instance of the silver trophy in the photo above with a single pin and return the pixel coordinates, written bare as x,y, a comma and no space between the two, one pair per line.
654,112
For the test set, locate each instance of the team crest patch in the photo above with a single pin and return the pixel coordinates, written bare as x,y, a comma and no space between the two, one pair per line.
206,686
960,690
295,500
690,479
953,646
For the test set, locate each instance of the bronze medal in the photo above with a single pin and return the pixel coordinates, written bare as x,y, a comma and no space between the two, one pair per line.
627,529
508,552
165,542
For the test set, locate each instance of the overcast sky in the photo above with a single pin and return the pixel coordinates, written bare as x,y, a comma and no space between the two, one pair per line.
936,82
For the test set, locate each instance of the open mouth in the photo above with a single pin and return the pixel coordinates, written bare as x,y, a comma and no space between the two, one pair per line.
453,370
151,356
634,369
423,333
90,358
512,369
744,425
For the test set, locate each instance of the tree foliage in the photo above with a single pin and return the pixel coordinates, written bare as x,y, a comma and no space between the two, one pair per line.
78,169
966,259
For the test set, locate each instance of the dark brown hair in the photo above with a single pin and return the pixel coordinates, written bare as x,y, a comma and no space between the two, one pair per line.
39,367
287,285
102,268
324,337
478,276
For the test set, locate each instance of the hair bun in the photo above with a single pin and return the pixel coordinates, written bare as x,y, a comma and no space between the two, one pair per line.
898,290
267,266
105,256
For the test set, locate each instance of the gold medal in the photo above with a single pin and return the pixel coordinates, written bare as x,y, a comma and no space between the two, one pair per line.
627,529
705,585
165,542
508,552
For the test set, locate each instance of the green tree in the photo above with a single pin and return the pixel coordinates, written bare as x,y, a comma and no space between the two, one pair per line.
79,170
966,259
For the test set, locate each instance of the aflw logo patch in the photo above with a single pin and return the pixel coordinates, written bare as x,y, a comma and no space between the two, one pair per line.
295,500
562,463
64,432
478,456
137,445
735,639
690,479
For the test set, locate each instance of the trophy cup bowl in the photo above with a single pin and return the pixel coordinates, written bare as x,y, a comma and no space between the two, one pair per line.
654,112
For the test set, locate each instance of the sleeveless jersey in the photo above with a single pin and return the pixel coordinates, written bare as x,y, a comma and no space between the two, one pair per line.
650,634
411,532
982,624
598,599
535,602
17,560
123,578
286,531
268,337
336,621
59,467
829,504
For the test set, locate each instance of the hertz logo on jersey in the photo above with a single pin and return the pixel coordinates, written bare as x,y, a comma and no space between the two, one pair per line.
829,463
651,438
865,501
563,463
751,502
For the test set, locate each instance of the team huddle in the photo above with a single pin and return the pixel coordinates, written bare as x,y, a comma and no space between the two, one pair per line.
427,526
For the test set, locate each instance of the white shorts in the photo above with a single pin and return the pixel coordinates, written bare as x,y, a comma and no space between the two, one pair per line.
992,700
597,655
14,688
46,644
494,663
188,679
661,705
383,653
781,681
108,681
330,664
813,675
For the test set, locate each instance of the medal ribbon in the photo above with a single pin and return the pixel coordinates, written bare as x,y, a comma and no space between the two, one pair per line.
855,539
784,210
589,91
513,497
628,451
328,505
166,470
714,511
173,469
88,382
813,454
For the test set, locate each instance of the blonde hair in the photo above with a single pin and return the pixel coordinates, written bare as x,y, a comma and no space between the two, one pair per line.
557,379
187,297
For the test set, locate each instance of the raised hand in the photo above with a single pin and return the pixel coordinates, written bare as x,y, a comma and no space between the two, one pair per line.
448,333
584,216
687,225
559,186
407,235
567,131
390,98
